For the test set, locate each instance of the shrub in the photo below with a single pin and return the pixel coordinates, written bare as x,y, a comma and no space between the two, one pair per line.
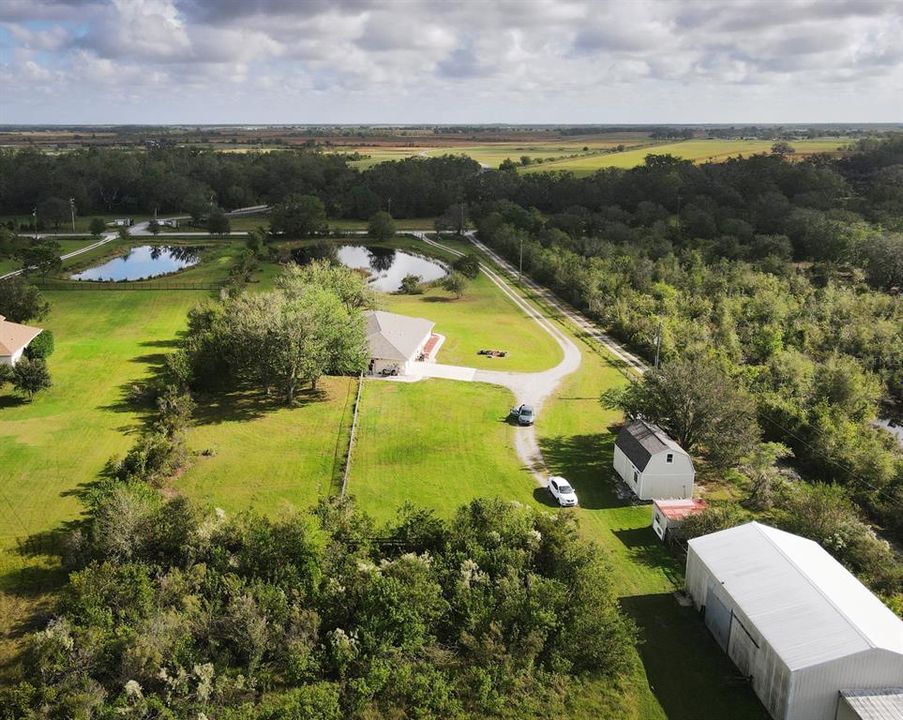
410,285
455,283
31,376
41,347
153,458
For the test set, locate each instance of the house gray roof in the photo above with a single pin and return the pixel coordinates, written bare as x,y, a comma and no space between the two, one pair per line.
395,337
876,703
640,440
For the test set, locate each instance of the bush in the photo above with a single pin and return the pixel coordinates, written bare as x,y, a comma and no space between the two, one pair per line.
153,458
41,347
31,376
410,285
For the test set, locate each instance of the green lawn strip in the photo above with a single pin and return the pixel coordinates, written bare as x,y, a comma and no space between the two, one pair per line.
265,456
436,443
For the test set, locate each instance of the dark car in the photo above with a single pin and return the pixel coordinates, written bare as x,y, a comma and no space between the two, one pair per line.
523,414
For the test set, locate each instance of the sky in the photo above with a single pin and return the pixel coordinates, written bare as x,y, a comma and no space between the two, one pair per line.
448,61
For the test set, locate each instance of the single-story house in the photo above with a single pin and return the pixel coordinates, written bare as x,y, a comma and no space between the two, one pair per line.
14,338
668,515
396,341
651,463
796,623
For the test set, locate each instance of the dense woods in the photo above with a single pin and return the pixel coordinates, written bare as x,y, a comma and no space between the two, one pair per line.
173,611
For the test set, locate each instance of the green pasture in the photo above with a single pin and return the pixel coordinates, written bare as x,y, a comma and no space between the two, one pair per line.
436,443
23,223
696,150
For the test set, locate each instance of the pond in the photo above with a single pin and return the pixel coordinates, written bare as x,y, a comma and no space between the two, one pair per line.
387,267
142,262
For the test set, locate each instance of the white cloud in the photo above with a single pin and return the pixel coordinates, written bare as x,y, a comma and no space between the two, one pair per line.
512,60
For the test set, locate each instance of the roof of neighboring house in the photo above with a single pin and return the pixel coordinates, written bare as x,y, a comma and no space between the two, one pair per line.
395,337
876,703
14,337
640,440
679,509
807,606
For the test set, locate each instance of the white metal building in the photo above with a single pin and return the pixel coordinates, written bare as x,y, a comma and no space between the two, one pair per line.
652,464
793,620
396,341
877,704
14,338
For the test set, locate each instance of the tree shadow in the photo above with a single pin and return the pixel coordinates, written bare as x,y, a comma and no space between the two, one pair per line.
708,687
586,462
436,299
644,548
244,405
11,401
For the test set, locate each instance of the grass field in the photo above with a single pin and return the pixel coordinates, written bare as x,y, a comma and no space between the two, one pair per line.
82,222
483,318
695,150
437,443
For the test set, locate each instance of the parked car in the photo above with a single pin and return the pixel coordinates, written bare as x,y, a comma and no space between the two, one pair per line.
523,414
562,491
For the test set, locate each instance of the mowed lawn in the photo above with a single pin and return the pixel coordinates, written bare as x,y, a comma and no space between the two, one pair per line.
268,457
436,443
483,319
684,676
695,150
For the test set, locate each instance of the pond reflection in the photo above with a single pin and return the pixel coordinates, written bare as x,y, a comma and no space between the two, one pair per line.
387,267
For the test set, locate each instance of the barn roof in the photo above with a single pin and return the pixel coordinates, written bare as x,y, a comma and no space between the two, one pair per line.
807,606
640,440
395,337
876,703
14,337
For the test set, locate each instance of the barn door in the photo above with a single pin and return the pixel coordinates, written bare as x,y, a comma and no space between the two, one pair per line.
717,618
742,648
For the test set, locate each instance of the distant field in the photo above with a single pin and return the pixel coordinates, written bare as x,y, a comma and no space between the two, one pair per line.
695,150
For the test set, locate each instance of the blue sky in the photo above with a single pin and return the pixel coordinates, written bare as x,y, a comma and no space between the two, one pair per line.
428,61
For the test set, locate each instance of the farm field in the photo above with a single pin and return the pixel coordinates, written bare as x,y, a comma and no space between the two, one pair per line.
695,150
491,154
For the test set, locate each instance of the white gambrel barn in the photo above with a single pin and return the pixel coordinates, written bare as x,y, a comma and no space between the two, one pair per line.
793,620
652,464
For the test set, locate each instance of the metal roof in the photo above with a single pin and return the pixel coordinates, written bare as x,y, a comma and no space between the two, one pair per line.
679,509
640,440
807,606
395,337
876,703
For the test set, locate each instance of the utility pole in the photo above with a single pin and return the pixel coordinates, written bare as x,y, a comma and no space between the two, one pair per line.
658,342
34,220
461,226
389,204
72,212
